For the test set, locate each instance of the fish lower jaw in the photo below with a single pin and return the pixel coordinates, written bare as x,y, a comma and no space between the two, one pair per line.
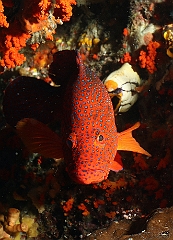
93,177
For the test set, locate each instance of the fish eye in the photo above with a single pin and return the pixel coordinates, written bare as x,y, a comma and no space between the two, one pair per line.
100,138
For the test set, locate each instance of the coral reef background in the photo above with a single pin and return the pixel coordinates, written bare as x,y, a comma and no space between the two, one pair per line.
107,34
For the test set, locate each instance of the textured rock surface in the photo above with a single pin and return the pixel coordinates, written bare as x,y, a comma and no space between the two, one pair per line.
158,225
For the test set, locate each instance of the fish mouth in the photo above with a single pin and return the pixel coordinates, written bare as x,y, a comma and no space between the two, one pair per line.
90,176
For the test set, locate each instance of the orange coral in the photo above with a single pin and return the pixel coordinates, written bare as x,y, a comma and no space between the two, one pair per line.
34,46
125,32
43,55
67,206
140,161
12,58
43,14
82,207
164,161
13,43
3,21
35,16
147,59
44,4
111,214
150,183
64,9
115,203
111,187
126,58
12,40
98,202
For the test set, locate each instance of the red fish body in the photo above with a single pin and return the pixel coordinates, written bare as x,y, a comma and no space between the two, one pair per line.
89,135
89,129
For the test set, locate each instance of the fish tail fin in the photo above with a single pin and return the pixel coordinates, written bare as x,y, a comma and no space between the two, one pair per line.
38,138
126,141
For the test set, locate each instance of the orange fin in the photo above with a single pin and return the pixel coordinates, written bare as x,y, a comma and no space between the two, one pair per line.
128,143
117,164
38,138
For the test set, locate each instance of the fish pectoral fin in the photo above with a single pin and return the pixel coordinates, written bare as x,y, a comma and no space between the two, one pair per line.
39,138
117,164
126,141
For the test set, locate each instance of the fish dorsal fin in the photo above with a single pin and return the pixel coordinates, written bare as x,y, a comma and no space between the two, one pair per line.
39,138
128,143
28,97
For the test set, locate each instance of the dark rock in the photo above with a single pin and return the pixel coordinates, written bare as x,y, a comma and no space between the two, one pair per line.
158,225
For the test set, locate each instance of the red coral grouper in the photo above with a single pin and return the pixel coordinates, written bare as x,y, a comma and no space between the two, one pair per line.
89,136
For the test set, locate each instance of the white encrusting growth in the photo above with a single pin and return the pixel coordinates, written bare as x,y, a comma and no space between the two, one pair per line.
122,83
